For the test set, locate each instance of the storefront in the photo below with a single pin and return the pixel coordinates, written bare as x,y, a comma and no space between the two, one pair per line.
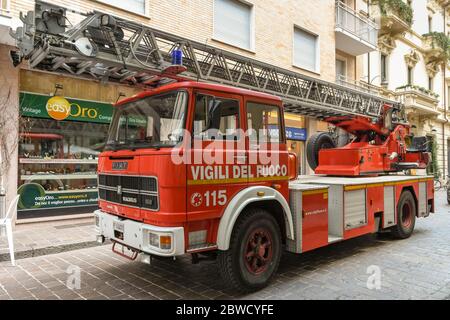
60,139
58,150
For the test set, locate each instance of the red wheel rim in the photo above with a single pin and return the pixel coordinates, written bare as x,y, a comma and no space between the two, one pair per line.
258,251
406,214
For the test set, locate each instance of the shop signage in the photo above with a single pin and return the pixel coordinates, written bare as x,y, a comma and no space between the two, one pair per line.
60,108
296,133
33,196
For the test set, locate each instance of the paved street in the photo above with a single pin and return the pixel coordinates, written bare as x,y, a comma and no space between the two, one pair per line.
417,268
42,238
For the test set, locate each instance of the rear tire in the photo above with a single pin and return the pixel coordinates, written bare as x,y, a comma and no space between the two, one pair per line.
255,251
406,216
318,141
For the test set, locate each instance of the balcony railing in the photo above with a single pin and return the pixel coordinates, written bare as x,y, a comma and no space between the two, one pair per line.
357,85
418,90
355,23
419,99
436,46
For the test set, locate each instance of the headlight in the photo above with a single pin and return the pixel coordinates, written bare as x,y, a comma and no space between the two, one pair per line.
161,241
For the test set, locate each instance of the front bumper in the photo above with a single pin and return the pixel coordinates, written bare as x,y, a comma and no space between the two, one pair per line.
136,235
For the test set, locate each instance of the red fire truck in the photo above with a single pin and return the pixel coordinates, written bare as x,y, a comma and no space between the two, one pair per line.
195,168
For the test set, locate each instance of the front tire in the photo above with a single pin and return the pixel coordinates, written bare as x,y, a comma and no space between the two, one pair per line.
255,251
406,216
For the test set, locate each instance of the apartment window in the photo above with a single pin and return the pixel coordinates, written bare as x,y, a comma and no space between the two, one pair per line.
306,54
410,75
341,70
384,68
4,5
430,83
448,94
136,6
233,23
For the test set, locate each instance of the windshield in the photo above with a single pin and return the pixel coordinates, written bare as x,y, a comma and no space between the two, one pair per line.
155,121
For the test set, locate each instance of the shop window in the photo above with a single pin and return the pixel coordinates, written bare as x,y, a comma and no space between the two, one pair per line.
264,123
58,158
207,126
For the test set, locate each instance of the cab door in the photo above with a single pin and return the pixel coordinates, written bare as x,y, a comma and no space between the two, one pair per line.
266,140
216,171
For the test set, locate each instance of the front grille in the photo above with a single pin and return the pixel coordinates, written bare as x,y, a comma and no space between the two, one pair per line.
109,195
130,182
131,199
132,191
149,202
107,180
149,184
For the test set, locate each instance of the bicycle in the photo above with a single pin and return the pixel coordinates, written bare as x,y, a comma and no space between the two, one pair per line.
440,183
437,184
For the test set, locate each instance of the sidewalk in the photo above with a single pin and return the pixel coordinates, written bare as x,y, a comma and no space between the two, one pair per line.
36,239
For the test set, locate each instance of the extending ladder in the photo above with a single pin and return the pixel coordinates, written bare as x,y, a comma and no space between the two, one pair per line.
110,48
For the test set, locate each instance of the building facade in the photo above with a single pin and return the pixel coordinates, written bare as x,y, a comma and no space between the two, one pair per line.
411,66
56,158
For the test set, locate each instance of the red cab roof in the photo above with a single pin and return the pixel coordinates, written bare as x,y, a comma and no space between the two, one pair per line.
200,85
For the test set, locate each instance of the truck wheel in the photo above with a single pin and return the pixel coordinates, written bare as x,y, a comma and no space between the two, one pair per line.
255,251
406,216
318,141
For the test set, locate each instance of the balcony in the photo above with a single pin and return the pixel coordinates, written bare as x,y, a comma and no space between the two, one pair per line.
394,16
422,101
355,33
436,47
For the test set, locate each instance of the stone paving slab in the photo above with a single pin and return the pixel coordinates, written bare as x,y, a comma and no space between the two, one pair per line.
415,268
37,239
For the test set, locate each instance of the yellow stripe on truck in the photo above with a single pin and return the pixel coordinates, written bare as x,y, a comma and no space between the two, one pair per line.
307,193
395,183
235,180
